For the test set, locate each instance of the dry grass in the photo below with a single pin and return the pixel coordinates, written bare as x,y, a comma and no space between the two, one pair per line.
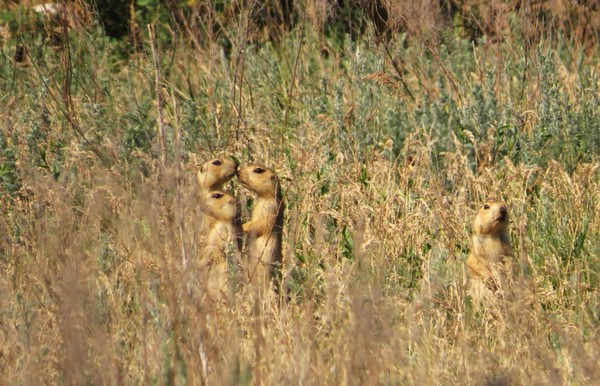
381,188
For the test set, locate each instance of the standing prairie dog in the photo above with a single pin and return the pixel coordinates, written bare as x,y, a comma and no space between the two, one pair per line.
264,230
215,173
489,259
220,210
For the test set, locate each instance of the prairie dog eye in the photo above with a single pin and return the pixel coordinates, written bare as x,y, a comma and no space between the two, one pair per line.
486,206
217,195
259,170
217,162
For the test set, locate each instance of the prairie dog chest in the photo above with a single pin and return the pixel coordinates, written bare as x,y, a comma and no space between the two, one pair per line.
222,231
265,210
491,249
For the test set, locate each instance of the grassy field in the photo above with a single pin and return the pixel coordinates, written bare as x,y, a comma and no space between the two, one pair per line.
386,148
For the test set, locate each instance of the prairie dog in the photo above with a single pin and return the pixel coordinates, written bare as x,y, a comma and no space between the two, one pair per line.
264,230
214,173
220,210
489,258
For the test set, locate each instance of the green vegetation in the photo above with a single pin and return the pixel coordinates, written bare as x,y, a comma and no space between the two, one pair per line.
388,130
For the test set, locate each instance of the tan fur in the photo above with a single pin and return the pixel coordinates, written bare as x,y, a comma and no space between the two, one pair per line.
220,210
215,173
490,258
264,230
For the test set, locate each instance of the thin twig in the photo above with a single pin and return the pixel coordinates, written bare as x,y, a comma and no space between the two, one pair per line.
160,120
239,74
294,73
397,68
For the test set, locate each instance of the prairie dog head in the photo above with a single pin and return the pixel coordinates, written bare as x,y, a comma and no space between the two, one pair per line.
214,173
220,206
260,180
492,218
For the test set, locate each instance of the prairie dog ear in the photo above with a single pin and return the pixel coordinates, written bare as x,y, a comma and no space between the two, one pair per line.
203,168
273,177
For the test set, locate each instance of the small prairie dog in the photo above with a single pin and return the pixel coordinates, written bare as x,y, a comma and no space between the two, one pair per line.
215,173
264,230
220,210
489,259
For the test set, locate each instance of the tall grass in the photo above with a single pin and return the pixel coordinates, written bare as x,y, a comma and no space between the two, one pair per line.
385,149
